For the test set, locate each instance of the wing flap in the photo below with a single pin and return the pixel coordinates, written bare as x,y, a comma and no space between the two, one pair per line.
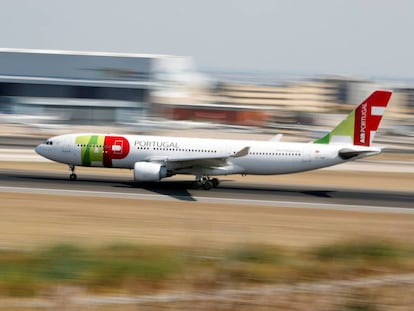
205,161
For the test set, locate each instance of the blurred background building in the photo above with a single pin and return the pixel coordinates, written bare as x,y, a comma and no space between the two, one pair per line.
44,88
89,88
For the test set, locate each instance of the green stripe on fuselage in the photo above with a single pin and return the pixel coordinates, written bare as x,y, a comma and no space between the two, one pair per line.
91,149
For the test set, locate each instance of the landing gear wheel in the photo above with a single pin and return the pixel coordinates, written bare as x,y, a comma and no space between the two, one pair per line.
207,185
215,182
72,176
205,182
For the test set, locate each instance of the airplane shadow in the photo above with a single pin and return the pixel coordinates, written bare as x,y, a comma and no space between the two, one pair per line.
279,190
179,190
174,189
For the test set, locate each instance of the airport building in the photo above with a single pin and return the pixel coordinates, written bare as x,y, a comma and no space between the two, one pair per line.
88,87
95,88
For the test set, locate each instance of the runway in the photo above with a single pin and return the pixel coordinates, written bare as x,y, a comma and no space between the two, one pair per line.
230,191
42,206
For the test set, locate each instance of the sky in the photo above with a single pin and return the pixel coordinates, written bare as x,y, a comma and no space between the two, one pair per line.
363,38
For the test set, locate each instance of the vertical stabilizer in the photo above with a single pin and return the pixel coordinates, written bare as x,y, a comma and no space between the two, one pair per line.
360,125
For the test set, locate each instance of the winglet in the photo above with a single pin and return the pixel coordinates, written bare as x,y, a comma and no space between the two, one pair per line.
277,137
243,152
361,124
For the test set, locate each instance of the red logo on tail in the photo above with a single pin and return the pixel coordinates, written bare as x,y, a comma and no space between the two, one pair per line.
367,122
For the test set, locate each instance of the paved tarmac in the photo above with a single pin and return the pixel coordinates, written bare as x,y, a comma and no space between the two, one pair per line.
230,191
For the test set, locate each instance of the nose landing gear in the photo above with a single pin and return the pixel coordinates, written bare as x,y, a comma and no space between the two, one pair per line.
72,176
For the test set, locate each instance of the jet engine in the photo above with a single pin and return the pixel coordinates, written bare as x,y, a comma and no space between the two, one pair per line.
148,171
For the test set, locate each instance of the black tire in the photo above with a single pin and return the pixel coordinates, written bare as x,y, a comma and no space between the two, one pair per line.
207,185
215,182
72,176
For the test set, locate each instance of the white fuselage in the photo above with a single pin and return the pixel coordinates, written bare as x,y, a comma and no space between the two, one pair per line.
192,155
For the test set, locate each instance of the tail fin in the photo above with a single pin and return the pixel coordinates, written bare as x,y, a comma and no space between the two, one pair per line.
360,125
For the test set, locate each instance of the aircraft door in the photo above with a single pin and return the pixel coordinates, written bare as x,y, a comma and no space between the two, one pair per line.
306,156
69,153
66,145
118,146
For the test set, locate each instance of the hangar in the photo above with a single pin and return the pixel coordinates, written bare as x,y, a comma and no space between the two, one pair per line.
86,87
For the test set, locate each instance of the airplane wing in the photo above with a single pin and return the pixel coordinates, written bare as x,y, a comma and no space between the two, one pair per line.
207,161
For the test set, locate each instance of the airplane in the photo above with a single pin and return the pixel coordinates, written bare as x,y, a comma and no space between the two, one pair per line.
152,158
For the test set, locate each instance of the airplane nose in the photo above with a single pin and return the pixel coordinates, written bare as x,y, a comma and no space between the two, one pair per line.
38,150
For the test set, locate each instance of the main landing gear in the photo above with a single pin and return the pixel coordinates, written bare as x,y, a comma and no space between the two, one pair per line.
206,183
72,176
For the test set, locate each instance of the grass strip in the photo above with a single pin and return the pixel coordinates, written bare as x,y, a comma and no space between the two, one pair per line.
139,269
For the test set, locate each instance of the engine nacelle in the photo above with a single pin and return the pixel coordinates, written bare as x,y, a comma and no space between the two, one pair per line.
148,171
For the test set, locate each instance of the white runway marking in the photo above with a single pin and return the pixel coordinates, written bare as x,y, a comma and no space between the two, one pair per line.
161,197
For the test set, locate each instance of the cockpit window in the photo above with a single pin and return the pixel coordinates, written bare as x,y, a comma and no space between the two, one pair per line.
49,142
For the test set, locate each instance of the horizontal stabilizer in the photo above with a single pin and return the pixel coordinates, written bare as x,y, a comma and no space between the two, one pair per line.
350,154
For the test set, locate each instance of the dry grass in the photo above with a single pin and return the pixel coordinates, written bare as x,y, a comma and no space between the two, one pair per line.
31,221
28,220
137,269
